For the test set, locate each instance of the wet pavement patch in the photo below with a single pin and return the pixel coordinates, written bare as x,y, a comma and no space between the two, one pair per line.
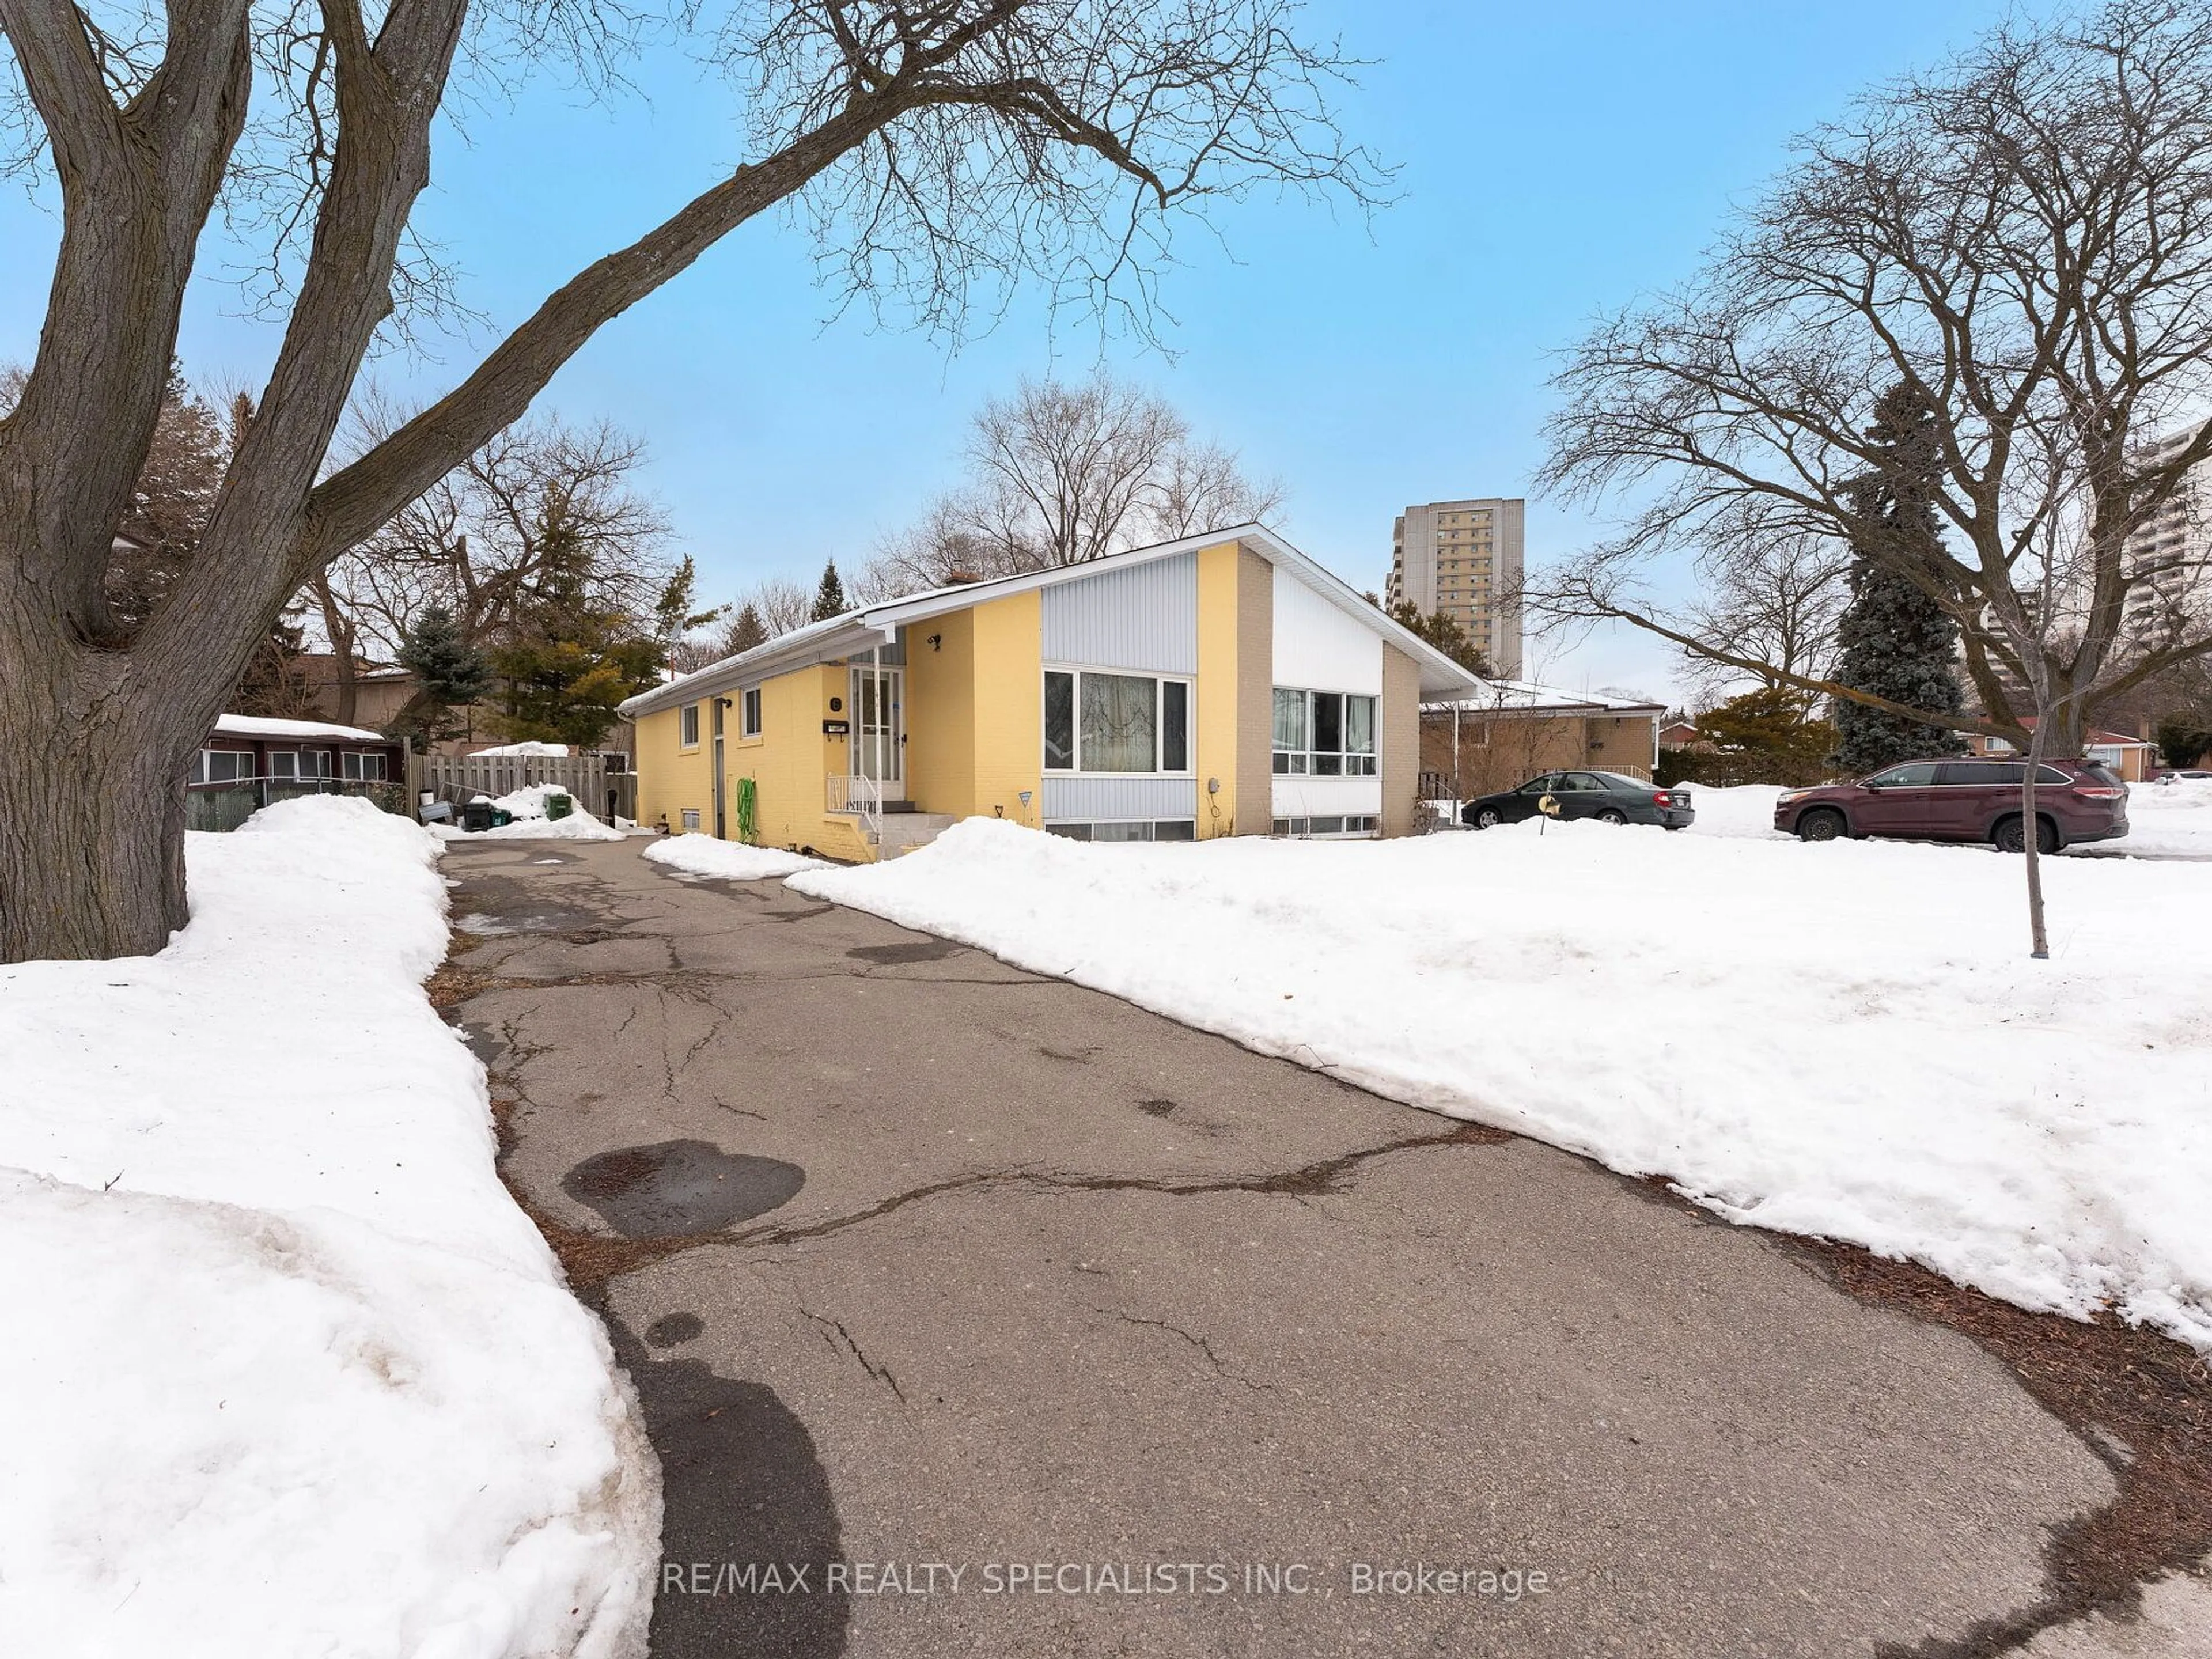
671,1329
680,1188
486,1044
1156,1107
743,1485
891,956
502,904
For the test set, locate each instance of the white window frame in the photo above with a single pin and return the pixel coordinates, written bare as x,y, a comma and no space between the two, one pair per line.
205,773
687,727
1159,722
353,766
749,712
1299,763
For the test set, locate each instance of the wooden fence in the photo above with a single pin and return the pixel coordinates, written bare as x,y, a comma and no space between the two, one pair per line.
606,792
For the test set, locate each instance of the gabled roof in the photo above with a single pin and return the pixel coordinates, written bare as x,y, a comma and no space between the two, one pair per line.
857,630
1526,697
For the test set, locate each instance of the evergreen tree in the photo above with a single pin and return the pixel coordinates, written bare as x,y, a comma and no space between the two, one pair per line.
1895,640
274,684
573,659
453,674
747,631
830,599
1762,737
1442,630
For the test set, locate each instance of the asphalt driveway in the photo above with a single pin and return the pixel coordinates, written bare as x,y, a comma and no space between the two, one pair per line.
975,1313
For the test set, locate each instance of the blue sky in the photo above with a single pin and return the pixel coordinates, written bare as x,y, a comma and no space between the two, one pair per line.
1555,161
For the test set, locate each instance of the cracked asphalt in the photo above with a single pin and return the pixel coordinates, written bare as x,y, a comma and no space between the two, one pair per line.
923,1262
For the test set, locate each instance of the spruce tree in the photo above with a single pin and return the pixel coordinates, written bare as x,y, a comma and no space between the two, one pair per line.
453,674
830,599
1895,640
575,659
746,632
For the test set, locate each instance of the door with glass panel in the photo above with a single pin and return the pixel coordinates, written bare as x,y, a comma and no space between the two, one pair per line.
878,735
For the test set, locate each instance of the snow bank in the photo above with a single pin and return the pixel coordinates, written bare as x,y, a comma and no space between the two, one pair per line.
1845,1040
288,1371
2169,819
554,751
702,855
527,806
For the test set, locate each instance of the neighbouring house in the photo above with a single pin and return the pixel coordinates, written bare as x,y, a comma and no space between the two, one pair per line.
1508,731
1680,734
1222,685
2132,758
247,762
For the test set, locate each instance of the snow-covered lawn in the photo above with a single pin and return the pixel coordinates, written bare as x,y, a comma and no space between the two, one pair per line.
286,1370
696,855
1846,1040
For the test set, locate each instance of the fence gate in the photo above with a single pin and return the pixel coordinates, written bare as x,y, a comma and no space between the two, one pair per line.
605,791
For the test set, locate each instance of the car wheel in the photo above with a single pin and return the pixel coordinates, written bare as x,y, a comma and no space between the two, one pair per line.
1612,814
2010,839
1822,823
1487,818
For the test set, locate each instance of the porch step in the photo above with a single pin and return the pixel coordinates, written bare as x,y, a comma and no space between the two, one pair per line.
891,806
902,832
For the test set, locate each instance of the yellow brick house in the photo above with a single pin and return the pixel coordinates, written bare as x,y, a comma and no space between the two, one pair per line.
1222,685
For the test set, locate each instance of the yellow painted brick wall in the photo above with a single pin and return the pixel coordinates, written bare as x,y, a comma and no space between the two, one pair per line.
791,761
940,714
1009,709
1218,649
671,777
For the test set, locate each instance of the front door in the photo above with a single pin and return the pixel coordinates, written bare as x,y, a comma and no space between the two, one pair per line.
721,808
879,728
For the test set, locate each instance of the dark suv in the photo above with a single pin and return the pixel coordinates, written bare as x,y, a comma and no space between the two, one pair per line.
1963,801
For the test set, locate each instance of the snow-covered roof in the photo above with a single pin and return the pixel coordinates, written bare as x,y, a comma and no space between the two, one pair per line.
255,725
877,624
1526,697
558,750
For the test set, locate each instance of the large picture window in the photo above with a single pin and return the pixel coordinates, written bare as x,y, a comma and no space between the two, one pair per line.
1326,734
1099,722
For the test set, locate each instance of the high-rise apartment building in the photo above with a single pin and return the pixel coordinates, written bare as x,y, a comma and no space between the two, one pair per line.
2169,557
1463,558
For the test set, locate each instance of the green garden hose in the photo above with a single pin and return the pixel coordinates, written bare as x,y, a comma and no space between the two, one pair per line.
748,811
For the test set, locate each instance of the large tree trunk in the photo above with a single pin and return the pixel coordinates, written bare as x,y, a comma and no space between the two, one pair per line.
92,817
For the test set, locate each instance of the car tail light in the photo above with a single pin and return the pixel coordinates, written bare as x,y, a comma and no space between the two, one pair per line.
1662,799
2098,792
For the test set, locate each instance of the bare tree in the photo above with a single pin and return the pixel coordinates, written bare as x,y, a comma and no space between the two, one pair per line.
2022,241
940,149
1061,475
1773,601
475,542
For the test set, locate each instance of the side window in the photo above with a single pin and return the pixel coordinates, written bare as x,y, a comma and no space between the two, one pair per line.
1585,783
750,725
687,725
1539,786
1915,774
1059,722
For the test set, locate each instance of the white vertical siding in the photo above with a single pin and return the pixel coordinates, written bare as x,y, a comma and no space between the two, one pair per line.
1145,615
1106,799
1318,647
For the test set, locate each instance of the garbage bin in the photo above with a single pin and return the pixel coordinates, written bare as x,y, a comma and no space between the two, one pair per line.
501,817
477,814
559,806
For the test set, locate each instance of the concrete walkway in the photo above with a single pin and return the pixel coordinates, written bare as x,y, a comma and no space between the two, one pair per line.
925,1263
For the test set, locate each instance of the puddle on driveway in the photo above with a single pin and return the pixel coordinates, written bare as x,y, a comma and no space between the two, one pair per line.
680,1187
886,955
